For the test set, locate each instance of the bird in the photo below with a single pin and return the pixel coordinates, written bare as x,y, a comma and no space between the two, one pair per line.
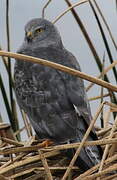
55,102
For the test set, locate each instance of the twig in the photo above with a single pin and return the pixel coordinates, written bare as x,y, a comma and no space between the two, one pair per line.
26,161
43,10
113,109
10,141
61,68
68,9
112,150
103,131
40,169
111,104
59,147
94,168
14,160
106,118
107,146
26,124
111,177
3,178
104,172
98,97
19,131
105,71
45,165
18,157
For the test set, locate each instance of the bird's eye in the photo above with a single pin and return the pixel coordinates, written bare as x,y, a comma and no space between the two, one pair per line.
39,30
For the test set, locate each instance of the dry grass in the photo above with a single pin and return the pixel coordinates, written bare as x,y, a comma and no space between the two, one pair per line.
25,159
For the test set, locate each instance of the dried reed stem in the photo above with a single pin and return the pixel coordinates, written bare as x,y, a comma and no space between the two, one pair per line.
19,131
54,148
104,172
45,165
14,160
111,104
107,146
61,68
112,150
103,131
3,178
106,118
98,97
68,9
40,169
43,10
26,161
87,143
100,75
94,168
10,141
18,157
26,124
111,177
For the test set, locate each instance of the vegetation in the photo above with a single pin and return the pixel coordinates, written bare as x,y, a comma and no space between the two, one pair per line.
24,159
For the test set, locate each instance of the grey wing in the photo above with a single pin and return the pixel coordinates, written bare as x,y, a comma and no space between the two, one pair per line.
75,89
41,93
76,93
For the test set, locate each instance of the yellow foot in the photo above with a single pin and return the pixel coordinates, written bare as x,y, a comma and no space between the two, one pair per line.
46,143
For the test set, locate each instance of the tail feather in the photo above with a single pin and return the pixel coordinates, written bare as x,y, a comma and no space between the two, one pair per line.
80,162
89,155
87,158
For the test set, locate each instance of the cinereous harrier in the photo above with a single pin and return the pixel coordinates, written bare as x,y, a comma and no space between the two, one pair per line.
54,101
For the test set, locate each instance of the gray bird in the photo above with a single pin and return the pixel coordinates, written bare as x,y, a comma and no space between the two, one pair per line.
54,101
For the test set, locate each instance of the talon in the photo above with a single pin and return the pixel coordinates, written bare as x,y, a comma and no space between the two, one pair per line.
46,143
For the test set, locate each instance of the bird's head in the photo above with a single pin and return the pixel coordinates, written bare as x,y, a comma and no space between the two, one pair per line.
41,32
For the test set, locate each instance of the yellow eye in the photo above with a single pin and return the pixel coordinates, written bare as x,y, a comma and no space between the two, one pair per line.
39,30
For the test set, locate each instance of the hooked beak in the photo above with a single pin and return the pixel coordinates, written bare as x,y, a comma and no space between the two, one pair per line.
29,36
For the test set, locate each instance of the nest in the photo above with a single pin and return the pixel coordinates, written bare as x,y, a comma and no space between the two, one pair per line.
26,160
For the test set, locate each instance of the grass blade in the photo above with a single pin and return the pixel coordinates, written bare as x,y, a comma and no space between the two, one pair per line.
106,24
104,39
6,102
14,122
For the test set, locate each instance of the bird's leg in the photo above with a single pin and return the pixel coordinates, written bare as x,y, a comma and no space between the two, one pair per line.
46,143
